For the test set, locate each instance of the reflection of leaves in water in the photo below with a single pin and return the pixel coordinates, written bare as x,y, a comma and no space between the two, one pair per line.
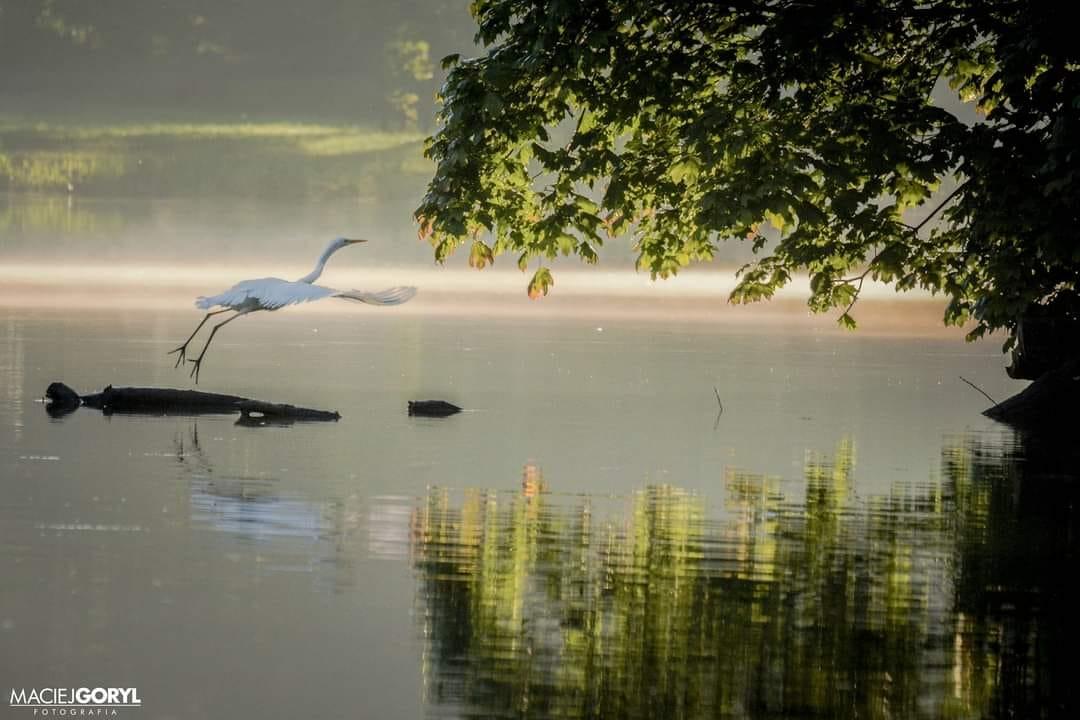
818,605
41,169
1017,531
243,159
39,212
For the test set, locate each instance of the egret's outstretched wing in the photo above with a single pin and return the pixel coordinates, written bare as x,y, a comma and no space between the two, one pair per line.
265,294
390,296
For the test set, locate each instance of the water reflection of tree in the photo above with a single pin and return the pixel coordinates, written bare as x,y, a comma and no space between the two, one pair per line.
1017,550
777,605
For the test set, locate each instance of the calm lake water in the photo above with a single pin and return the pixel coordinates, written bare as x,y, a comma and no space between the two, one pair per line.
848,539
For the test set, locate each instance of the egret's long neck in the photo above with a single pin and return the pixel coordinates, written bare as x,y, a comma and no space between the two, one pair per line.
319,265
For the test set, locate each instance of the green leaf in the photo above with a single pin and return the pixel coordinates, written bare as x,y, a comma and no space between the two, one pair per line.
587,253
775,219
480,256
540,283
685,170
443,250
493,103
613,198
585,204
843,294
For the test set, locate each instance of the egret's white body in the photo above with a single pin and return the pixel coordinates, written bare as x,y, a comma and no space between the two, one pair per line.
272,293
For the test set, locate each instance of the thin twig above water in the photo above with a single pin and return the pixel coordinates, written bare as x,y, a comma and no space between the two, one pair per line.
984,393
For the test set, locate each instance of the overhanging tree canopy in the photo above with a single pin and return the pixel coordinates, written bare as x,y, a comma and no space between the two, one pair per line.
689,123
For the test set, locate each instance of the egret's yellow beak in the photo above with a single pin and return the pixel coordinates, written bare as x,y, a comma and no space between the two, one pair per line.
350,241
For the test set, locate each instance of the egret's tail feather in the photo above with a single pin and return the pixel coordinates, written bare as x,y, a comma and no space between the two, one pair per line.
204,303
390,296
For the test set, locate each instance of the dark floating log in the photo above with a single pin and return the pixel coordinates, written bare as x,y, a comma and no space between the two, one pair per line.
159,400
61,397
1048,402
264,421
432,408
162,401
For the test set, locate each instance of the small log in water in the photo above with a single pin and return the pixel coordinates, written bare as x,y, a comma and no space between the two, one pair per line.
432,408
164,401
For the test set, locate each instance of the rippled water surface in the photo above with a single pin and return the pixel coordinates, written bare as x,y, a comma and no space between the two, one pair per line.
849,539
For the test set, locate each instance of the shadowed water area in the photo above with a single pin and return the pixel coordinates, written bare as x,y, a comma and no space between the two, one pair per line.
590,539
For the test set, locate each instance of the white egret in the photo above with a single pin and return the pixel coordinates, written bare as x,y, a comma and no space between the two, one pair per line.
272,293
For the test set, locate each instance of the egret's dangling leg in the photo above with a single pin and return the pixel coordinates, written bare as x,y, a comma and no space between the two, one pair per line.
198,361
183,348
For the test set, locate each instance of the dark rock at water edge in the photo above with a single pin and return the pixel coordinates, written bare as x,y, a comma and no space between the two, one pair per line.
1049,403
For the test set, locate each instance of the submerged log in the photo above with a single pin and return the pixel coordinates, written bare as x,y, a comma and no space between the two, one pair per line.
432,408
163,401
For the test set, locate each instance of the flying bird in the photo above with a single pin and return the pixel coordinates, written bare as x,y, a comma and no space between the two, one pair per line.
272,293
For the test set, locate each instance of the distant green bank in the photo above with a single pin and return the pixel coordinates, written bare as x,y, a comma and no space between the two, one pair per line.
264,159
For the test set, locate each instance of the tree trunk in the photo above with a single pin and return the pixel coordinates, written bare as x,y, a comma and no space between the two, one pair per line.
1044,341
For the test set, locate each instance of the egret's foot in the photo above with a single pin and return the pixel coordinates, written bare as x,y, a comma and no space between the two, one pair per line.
196,364
181,357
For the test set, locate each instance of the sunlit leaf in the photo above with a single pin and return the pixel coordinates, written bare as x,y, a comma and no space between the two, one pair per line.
540,283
